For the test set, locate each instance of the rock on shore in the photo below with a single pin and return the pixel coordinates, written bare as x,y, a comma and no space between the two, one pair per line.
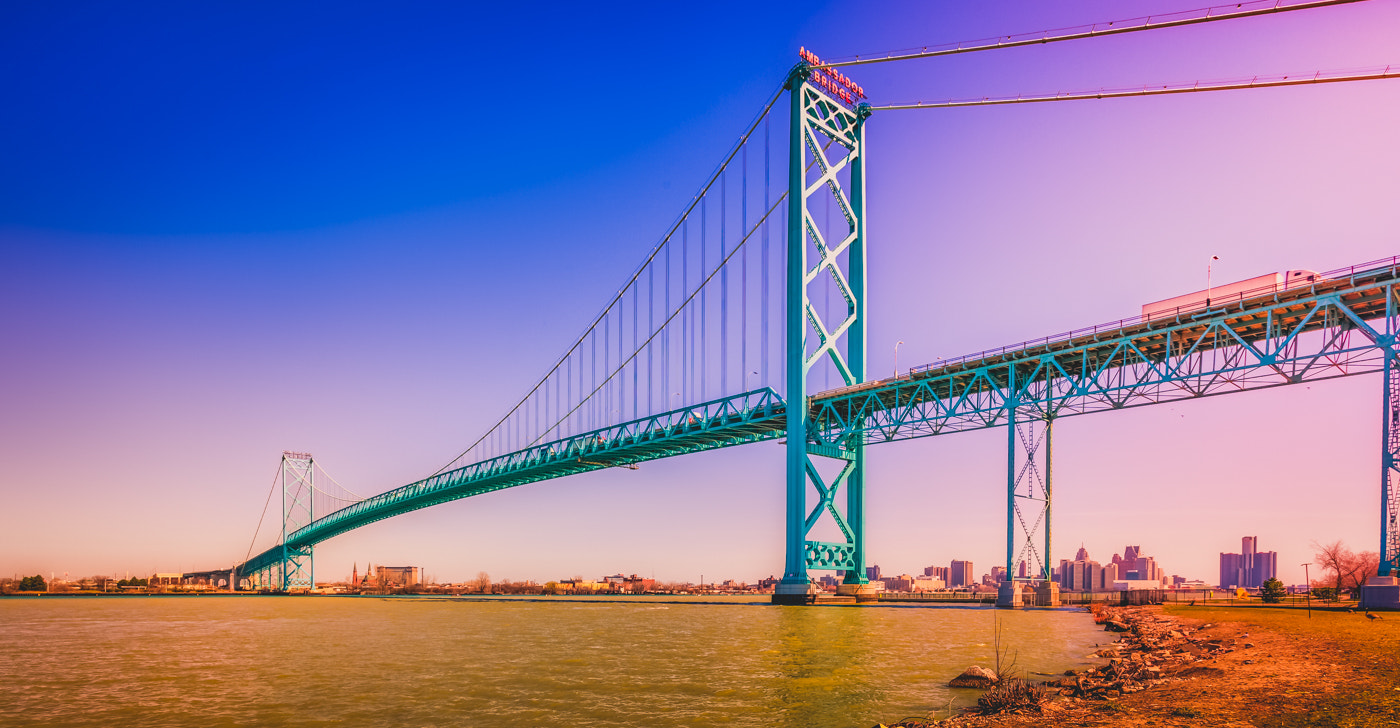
974,677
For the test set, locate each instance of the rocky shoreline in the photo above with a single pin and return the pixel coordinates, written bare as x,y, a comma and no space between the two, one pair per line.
1152,649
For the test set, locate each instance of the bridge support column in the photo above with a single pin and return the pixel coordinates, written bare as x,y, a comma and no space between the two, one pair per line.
822,127
1029,487
1383,590
1390,466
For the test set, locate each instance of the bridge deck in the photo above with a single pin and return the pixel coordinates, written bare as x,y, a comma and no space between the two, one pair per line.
1126,363
1263,331
744,418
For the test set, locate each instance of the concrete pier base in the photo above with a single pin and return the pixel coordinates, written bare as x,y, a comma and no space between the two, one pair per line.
1047,594
1010,595
862,592
1381,592
785,593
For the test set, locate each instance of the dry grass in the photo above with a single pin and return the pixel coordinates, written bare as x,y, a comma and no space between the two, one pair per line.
1371,694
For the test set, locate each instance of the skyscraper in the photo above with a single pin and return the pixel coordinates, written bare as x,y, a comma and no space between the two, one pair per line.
1250,568
960,574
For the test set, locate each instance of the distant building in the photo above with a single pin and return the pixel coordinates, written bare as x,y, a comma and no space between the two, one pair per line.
1085,574
1248,569
1082,574
997,576
901,583
960,574
937,572
872,573
398,576
929,583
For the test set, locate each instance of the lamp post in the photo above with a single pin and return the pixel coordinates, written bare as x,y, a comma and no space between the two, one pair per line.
1212,260
896,358
1308,579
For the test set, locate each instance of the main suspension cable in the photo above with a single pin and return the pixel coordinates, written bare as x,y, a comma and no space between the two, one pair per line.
1096,30
1372,74
743,139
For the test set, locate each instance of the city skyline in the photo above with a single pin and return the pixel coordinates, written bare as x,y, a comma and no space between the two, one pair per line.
220,244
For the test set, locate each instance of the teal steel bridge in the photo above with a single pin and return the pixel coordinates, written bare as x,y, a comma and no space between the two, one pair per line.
747,322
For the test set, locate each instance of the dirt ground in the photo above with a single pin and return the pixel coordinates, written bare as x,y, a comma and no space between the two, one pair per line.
1272,667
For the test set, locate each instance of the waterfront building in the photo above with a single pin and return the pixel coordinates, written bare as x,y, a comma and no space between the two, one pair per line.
1248,569
960,574
872,573
155,580
996,577
929,583
937,572
398,576
1082,574
1134,565
901,583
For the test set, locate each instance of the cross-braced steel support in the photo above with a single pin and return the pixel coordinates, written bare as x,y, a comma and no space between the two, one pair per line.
1390,467
298,486
822,127
1029,466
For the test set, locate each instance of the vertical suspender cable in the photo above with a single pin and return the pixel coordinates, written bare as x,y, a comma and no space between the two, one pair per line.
704,309
723,285
744,273
763,264
687,363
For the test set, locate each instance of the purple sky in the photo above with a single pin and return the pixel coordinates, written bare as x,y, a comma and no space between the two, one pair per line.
364,234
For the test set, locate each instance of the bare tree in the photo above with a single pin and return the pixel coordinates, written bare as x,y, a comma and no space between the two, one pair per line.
1005,657
1360,568
1334,558
482,582
1344,568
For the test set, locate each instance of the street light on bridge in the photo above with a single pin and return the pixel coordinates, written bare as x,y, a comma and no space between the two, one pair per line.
1212,260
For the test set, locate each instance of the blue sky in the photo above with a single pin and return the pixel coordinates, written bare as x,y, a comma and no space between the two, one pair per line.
363,232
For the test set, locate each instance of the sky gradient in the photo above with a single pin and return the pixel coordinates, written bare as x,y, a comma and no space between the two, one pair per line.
364,232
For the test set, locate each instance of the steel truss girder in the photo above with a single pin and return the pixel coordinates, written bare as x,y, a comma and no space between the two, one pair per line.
820,123
1258,344
735,420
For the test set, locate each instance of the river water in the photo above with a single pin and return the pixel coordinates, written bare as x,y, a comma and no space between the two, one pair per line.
370,661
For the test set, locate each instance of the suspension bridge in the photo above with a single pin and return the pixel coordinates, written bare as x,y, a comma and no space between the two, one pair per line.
747,322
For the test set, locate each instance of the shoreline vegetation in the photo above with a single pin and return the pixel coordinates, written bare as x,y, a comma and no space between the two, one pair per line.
1183,665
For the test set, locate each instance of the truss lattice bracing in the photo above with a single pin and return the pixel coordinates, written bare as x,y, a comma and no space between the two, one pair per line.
1390,466
826,165
1028,489
298,478
1340,327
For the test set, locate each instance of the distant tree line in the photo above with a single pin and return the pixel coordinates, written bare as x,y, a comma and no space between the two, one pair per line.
32,583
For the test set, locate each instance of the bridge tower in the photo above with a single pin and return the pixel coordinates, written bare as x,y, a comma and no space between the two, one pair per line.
826,146
298,480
